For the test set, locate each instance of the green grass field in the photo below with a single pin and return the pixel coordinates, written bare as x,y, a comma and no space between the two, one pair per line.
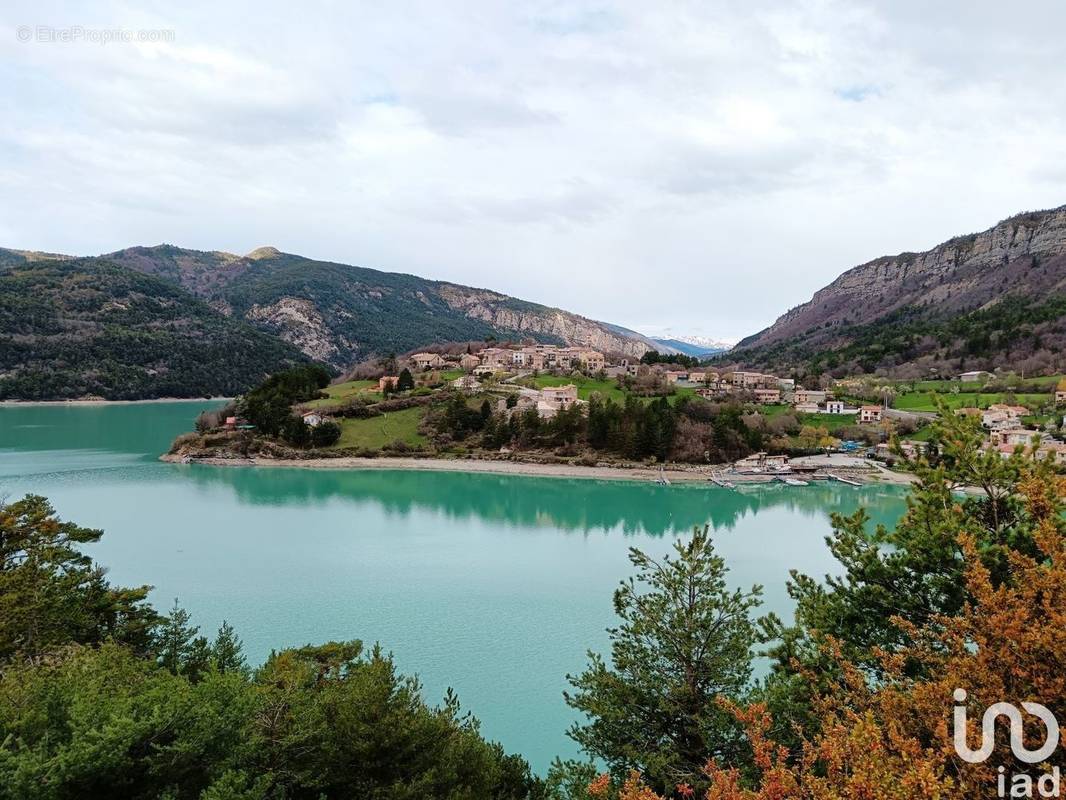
923,401
585,386
342,391
374,433
1045,383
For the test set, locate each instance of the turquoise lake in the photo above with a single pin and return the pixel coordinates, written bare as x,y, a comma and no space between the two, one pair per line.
493,585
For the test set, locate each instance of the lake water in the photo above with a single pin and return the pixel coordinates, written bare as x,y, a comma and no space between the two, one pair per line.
493,585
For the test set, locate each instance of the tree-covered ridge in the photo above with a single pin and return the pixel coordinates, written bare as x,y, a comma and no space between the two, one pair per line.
87,327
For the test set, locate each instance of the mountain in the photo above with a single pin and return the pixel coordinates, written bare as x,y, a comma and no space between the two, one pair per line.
984,300
698,346
339,314
75,328
167,321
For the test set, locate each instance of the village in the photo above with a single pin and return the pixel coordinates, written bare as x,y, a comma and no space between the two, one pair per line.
853,441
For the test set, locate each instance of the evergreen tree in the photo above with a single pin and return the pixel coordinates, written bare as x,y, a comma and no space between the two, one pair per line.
295,431
326,433
177,641
52,594
405,382
227,652
685,639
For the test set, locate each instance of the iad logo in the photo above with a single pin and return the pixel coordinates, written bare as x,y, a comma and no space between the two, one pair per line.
988,727
1021,784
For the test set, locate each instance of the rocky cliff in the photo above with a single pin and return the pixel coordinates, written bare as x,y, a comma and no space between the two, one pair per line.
506,313
1023,256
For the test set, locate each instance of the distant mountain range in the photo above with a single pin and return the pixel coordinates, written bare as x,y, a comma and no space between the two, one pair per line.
698,346
168,321
980,301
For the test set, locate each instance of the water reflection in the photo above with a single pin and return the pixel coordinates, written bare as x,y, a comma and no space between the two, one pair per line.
568,504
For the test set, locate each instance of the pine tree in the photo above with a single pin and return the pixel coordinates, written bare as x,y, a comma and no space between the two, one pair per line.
685,639
176,642
227,652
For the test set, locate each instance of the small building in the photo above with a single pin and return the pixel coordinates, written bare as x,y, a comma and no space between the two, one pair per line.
1060,392
757,462
388,380
802,396
559,396
768,396
834,406
591,361
427,361
673,376
869,414
485,370
1012,437
311,418
468,361
466,383
805,408
1054,450
975,376
1012,411
997,420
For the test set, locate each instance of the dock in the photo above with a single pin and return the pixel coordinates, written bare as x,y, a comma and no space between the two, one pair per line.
848,481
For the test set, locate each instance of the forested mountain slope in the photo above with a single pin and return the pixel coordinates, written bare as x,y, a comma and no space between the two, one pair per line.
88,328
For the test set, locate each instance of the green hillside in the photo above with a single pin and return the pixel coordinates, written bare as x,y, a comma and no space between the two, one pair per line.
86,327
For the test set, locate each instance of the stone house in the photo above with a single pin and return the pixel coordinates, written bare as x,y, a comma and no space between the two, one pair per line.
768,396
425,361
869,414
802,396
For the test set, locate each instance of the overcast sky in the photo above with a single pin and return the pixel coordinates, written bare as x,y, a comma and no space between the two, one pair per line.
693,167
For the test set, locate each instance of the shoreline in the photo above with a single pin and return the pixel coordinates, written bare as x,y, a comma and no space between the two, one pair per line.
523,468
103,402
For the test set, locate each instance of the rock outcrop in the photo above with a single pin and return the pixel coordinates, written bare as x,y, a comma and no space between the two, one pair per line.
501,311
1023,256
297,322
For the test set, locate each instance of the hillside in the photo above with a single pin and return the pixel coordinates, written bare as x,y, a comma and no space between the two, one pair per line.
339,314
985,300
78,328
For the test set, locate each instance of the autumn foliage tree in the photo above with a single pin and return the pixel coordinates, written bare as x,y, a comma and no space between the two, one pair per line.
886,732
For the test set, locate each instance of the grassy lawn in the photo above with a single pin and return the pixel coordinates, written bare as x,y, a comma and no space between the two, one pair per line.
585,386
342,391
921,435
832,422
374,433
923,401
